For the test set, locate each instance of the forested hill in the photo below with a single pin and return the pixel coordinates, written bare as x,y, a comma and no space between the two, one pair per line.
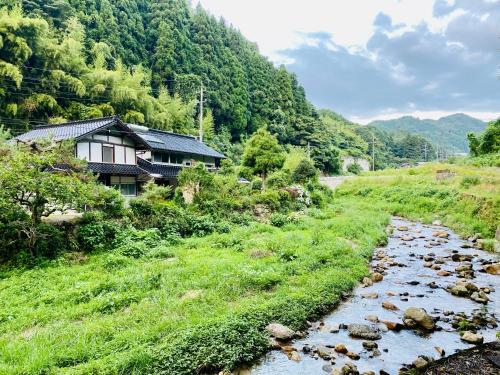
144,60
449,132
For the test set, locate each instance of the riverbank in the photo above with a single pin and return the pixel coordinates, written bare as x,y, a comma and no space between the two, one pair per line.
201,305
480,360
464,198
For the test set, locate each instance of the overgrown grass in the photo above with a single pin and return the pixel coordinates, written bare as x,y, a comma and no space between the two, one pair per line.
467,199
197,306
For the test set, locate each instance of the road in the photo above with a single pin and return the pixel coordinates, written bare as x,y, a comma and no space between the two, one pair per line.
334,182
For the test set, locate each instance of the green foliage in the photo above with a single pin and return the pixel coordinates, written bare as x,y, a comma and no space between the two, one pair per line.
183,307
487,142
278,220
304,172
43,179
263,154
354,168
469,181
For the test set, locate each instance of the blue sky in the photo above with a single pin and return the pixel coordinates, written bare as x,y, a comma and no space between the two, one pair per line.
372,59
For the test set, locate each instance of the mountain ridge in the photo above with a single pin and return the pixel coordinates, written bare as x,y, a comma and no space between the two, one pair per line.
449,132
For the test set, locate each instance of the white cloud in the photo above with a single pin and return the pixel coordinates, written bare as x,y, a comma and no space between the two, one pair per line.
280,24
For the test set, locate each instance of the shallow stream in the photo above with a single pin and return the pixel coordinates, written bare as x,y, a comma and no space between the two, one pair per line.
406,283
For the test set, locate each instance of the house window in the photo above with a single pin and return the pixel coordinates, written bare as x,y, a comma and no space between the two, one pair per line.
125,185
176,159
107,154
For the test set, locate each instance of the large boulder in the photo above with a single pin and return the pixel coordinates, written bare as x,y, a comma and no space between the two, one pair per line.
280,331
363,331
421,317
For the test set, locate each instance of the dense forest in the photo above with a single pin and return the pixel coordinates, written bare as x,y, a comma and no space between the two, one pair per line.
148,61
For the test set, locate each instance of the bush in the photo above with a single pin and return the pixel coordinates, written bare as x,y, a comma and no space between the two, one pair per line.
469,181
304,172
51,241
354,168
278,180
278,220
133,249
256,184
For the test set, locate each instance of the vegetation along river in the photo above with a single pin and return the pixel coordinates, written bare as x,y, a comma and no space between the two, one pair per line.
382,327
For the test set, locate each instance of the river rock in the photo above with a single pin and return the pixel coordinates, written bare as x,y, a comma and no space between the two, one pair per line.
479,297
353,356
437,222
376,277
472,338
463,267
370,345
440,351
363,331
367,282
420,316
428,264
492,269
294,356
341,348
420,363
371,295
324,352
372,318
403,228
368,373
334,328
280,331
443,273
389,305
392,326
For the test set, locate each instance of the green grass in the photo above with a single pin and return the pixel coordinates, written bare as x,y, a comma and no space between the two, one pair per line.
468,200
199,305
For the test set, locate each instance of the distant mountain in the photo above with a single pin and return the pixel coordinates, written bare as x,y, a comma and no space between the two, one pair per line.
449,132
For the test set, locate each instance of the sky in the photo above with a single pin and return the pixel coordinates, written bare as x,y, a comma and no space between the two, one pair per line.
381,59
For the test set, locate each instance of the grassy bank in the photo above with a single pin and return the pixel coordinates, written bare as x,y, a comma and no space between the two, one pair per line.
464,197
198,305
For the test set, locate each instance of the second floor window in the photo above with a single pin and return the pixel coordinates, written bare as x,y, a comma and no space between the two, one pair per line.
107,154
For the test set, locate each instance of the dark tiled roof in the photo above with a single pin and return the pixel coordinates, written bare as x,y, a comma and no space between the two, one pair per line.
117,169
79,129
159,169
70,130
160,140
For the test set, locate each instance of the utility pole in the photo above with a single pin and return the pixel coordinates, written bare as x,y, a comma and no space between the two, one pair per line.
201,112
373,151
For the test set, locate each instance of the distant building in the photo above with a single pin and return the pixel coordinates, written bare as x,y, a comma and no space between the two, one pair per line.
124,155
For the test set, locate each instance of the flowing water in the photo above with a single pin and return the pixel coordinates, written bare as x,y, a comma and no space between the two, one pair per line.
399,286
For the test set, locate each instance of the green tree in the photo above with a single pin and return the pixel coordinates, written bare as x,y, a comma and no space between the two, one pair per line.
263,153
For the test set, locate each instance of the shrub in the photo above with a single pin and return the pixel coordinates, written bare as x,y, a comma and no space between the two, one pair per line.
278,179
132,249
256,184
278,220
469,181
354,168
304,172
51,240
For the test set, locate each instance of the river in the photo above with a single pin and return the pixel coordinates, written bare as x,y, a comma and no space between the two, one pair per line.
413,265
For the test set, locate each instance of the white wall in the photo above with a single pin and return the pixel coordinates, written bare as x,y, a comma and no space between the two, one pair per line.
348,160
